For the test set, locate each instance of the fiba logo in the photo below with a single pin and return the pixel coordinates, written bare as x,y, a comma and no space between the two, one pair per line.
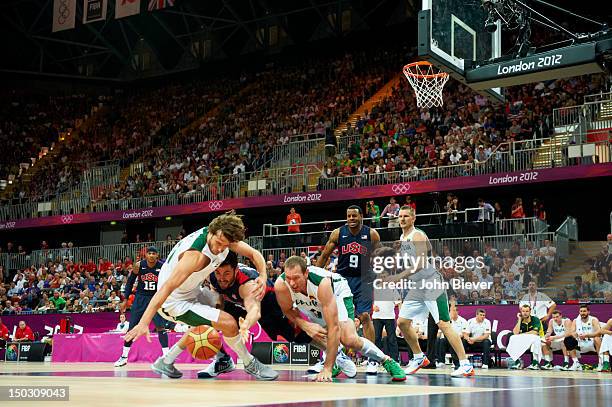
299,348
280,353
25,348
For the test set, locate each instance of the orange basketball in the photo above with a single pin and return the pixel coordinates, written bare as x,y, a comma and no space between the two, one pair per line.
203,342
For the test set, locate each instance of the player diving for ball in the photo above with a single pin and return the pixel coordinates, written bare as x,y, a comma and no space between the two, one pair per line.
235,285
326,299
355,243
180,296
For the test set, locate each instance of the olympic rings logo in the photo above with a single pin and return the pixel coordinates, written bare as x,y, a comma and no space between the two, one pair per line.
400,189
215,205
67,218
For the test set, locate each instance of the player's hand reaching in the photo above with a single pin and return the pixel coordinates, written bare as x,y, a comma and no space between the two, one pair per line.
324,375
316,331
138,331
243,330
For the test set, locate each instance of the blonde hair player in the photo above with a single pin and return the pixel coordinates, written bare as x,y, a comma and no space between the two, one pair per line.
326,299
415,244
180,296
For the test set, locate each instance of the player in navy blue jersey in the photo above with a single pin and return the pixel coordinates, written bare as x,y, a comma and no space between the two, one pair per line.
355,243
146,272
235,285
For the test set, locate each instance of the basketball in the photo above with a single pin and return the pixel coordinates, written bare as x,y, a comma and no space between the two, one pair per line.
203,342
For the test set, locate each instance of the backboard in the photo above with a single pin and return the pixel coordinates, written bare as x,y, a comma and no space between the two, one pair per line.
452,35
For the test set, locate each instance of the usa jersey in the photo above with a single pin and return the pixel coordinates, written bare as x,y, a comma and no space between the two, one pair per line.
353,251
147,278
232,294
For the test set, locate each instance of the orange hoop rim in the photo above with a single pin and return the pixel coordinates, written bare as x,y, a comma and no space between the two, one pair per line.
408,72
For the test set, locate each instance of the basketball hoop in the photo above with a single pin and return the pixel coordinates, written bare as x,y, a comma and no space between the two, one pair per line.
427,81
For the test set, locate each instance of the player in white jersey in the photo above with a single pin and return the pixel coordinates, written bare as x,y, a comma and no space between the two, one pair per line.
181,297
558,333
419,302
606,344
585,329
326,299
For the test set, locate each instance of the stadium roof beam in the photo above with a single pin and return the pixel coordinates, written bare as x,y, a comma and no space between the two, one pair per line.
39,45
105,52
242,24
68,42
324,18
103,40
40,13
198,16
166,29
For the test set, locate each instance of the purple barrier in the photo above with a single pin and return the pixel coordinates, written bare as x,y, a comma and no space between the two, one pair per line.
48,324
101,347
417,187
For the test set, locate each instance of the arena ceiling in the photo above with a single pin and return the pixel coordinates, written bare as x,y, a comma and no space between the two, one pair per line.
178,38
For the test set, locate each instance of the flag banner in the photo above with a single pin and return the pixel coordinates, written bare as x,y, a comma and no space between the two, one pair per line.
160,4
63,15
94,10
126,8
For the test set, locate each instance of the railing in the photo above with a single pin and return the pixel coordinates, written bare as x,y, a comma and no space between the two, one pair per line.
566,232
515,156
83,254
439,246
520,226
466,215
295,152
345,142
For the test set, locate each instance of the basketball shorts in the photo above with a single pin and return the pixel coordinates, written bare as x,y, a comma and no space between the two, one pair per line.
557,345
419,309
606,344
363,294
140,304
346,312
194,312
586,346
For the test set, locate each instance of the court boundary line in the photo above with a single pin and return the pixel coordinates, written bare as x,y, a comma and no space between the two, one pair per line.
476,390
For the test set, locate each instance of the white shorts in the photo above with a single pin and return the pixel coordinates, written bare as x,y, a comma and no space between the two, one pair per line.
346,311
198,311
586,346
606,344
557,345
420,309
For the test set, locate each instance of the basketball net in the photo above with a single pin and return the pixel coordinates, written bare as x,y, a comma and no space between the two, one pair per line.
427,82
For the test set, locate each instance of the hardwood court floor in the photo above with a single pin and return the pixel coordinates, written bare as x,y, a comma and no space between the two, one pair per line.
99,384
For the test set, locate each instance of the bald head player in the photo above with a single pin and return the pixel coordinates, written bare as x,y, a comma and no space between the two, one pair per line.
237,290
355,243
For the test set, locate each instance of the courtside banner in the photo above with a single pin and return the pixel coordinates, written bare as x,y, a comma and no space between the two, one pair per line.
64,12
94,10
126,8
348,195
